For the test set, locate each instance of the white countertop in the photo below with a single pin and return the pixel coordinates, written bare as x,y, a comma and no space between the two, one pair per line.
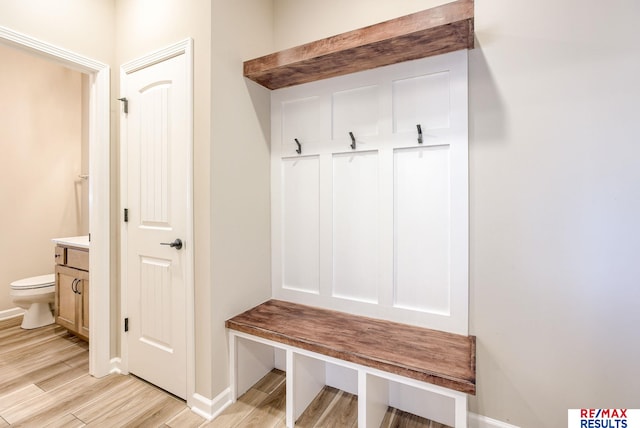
74,241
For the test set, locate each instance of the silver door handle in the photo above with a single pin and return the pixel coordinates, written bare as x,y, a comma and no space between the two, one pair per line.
177,244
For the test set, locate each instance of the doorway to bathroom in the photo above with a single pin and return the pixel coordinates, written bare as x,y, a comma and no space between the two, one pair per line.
43,144
97,111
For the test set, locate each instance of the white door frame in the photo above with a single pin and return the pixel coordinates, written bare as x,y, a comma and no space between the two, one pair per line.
99,196
184,47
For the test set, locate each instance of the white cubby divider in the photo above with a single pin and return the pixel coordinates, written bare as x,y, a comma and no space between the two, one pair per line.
305,380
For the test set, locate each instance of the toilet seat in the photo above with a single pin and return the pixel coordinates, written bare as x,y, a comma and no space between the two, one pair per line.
34,282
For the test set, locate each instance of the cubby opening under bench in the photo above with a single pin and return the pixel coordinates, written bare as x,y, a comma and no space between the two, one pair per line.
421,371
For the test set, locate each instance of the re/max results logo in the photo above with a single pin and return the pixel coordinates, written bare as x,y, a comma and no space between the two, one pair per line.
604,418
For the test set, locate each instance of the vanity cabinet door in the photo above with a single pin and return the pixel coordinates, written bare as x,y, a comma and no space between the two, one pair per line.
72,300
65,306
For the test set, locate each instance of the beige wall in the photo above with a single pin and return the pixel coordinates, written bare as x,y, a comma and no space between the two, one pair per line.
555,199
554,196
40,141
302,21
84,27
241,245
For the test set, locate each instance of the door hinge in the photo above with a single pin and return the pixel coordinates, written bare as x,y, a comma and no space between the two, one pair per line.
126,104
126,215
126,325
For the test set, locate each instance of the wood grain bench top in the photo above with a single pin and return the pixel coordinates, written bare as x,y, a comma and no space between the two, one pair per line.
436,357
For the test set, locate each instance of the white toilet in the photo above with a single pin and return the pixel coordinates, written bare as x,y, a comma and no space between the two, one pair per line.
36,295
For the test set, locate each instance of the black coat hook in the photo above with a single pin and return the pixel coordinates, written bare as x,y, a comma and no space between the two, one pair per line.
419,134
299,149
353,140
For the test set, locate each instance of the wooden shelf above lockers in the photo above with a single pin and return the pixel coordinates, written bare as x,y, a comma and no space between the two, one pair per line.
430,32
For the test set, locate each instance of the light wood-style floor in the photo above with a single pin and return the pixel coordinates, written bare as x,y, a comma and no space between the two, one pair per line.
44,382
264,406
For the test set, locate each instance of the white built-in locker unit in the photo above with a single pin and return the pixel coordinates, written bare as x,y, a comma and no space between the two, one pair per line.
370,193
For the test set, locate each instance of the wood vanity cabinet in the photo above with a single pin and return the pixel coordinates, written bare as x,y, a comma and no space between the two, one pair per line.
72,290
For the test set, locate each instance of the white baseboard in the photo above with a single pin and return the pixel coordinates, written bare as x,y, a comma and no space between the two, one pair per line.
479,421
11,313
209,409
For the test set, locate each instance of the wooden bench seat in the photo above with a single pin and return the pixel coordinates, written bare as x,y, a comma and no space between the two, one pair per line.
439,358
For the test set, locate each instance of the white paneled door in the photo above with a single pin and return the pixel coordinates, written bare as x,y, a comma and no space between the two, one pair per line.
157,132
